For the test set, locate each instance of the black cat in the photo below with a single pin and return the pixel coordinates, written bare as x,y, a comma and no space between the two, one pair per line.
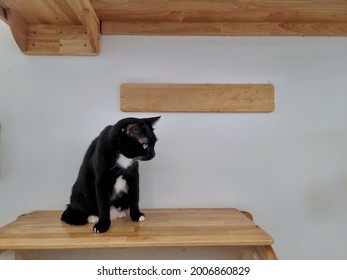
108,177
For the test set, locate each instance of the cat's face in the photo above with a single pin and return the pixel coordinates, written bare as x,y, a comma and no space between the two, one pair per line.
139,139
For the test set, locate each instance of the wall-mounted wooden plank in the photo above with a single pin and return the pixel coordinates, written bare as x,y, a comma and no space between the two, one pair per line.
197,97
223,18
225,28
19,28
222,10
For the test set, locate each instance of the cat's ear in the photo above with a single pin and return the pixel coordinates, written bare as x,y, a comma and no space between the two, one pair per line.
152,121
132,129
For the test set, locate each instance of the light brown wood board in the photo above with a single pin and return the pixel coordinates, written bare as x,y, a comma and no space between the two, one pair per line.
221,10
223,18
225,28
197,97
162,228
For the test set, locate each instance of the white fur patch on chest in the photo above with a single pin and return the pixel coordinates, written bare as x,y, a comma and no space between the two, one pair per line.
124,162
121,185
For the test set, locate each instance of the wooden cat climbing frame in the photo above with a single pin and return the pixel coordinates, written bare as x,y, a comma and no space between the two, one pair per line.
73,27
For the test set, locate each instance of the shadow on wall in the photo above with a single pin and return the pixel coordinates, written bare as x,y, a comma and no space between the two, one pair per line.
328,199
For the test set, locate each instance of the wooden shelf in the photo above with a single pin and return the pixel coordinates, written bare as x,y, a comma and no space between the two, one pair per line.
163,228
84,20
197,98
68,27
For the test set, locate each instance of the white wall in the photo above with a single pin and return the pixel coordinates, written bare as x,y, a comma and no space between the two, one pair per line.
288,168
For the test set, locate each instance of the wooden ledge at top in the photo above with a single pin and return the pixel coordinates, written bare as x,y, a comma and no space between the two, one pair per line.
162,228
155,17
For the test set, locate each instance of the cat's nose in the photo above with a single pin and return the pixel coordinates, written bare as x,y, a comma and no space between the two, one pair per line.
150,155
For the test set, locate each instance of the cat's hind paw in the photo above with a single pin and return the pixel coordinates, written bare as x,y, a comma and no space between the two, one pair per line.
122,215
117,214
92,219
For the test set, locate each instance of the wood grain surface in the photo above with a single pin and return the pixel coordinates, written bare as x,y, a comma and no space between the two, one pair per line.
226,28
162,228
170,17
197,98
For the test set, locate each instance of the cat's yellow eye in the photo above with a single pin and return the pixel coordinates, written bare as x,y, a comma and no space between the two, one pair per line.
145,146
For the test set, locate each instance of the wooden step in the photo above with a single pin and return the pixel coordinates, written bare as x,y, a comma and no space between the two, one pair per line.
229,227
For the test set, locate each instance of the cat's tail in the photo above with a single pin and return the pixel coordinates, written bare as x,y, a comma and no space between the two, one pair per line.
74,216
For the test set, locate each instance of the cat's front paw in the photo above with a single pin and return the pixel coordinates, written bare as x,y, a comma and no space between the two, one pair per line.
137,217
101,227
